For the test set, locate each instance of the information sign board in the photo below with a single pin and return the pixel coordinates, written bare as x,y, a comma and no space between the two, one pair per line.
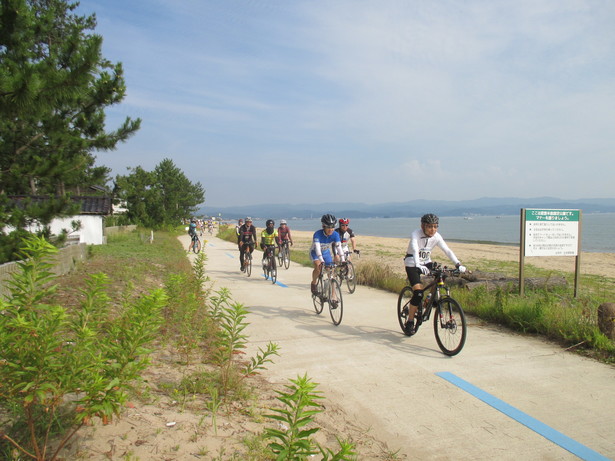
551,232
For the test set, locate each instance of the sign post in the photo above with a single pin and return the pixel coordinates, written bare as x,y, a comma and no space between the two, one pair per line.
550,233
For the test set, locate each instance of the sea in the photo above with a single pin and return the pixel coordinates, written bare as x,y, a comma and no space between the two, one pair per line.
597,232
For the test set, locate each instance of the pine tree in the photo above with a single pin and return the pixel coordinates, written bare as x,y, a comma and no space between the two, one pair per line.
54,88
161,197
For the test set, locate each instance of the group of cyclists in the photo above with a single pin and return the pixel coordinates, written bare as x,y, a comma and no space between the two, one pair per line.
271,238
334,245
198,225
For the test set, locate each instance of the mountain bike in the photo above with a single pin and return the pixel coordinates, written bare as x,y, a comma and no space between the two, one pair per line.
195,243
346,273
269,267
328,291
284,254
449,323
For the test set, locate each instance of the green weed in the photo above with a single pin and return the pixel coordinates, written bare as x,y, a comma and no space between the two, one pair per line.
292,439
50,353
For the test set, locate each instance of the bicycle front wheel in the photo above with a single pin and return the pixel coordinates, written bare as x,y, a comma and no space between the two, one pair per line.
336,303
197,246
351,281
286,257
273,270
249,265
449,326
318,298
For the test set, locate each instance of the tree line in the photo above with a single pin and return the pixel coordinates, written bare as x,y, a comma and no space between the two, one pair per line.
55,86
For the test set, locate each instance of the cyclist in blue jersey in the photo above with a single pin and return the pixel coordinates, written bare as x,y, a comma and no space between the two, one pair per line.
323,240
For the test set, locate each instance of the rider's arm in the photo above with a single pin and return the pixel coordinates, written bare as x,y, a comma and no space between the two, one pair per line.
448,252
338,249
317,248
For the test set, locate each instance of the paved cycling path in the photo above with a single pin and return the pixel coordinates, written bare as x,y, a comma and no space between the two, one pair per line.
504,397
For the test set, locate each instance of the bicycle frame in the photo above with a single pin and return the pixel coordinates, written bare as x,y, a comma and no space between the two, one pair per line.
450,326
269,258
435,293
329,292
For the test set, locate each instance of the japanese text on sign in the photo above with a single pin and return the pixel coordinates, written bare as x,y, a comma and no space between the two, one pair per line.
551,232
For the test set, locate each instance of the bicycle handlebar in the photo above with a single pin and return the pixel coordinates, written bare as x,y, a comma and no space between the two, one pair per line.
439,269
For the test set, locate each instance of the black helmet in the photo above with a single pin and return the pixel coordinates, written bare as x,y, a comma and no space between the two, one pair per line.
328,220
269,222
429,218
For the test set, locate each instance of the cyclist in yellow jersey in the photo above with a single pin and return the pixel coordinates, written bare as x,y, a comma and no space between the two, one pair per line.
268,239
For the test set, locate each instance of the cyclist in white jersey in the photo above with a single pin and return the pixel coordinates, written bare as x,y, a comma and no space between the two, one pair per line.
418,259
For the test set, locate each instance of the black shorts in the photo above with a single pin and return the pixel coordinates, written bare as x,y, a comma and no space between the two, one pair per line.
414,274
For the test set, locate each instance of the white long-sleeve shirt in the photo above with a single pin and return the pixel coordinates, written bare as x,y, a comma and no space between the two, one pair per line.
420,246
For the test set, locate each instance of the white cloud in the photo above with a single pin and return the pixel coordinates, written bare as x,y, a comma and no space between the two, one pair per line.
480,94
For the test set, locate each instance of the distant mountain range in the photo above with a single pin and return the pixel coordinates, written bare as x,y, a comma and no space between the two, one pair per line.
483,206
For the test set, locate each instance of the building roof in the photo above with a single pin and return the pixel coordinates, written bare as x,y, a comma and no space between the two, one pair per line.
89,205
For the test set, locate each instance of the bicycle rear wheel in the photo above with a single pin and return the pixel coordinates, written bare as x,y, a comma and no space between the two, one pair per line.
336,303
403,307
318,299
351,281
449,326
286,257
280,256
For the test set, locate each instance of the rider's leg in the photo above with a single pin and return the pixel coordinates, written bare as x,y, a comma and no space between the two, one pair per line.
414,276
316,271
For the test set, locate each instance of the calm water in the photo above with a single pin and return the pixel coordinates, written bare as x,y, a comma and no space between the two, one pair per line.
597,230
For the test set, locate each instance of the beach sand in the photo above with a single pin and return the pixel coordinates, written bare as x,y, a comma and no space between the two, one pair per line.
390,251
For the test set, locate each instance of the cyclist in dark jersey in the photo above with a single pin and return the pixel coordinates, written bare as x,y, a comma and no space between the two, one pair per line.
347,235
246,240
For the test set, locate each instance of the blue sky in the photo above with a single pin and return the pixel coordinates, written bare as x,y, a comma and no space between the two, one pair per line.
297,101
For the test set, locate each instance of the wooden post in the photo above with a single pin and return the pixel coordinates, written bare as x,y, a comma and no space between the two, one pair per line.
522,255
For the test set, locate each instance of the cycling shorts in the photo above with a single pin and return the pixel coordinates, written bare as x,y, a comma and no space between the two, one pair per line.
326,255
414,274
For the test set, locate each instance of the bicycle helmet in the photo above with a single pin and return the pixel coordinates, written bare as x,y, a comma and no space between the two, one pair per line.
269,223
282,222
328,220
248,219
429,218
344,221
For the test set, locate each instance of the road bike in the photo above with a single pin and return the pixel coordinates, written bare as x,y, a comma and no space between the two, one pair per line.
346,273
449,323
328,291
195,243
269,266
247,260
284,254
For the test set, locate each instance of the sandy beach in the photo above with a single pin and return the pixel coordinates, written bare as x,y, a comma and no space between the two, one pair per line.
391,250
